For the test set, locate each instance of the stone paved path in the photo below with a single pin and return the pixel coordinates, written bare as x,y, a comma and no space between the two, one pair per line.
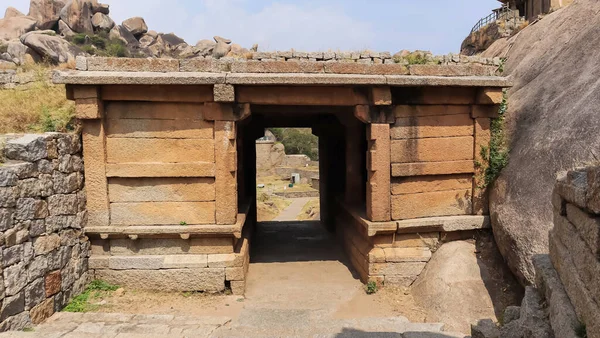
293,210
300,284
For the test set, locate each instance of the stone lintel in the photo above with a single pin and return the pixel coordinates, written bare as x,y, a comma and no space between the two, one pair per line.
493,96
224,92
199,78
380,96
375,114
445,223
85,92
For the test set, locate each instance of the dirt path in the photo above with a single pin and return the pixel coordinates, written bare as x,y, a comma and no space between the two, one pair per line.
293,210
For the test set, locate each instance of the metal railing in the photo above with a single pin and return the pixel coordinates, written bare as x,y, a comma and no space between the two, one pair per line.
504,13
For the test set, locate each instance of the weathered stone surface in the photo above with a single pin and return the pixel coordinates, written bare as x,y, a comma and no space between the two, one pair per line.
62,204
42,311
210,280
161,189
485,328
30,208
37,268
226,173
403,269
53,48
12,306
224,93
8,197
14,27
587,225
64,30
45,244
432,168
12,255
35,293
378,166
6,219
30,147
432,149
173,150
190,169
220,50
133,65
12,12
136,262
15,279
78,15
204,47
431,204
52,283
16,322
121,33
446,224
136,25
453,287
46,13
432,126
148,213
102,22
421,184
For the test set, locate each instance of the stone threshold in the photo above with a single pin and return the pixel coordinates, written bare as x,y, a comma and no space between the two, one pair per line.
184,231
197,78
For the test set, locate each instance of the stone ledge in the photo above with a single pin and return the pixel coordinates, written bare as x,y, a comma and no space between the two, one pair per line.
446,224
372,228
194,78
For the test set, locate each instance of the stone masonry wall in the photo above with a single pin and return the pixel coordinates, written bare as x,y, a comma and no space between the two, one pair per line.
575,242
44,254
10,79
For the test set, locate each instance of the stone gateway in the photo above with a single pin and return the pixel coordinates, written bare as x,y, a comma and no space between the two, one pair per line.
170,160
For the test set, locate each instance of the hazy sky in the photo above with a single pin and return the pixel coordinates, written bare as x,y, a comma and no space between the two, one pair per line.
310,25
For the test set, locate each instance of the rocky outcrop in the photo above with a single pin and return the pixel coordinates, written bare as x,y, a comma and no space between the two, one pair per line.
50,47
136,25
121,33
45,12
453,287
552,123
77,14
12,12
14,27
102,22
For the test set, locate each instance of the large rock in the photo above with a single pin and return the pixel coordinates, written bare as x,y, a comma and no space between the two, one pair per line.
146,40
50,47
136,25
12,12
452,288
78,15
220,50
170,41
121,33
102,22
204,47
22,53
64,30
552,124
14,27
45,12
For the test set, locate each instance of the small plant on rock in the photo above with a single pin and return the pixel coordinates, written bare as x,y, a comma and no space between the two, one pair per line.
371,288
183,223
581,331
81,302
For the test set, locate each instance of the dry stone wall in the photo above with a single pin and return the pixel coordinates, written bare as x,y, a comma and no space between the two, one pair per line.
44,253
10,79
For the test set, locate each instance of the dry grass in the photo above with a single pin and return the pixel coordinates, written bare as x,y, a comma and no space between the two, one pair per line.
310,211
38,107
269,206
275,184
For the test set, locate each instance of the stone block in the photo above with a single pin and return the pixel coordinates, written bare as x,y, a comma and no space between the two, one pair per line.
67,183
405,269
12,255
432,168
30,148
162,213
235,273
8,197
588,227
432,204
45,244
42,311
37,268
439,96
432,126
94,153
161,189
452,70
185,262
89,109
15,278
53,282
378,165
420,184
125,150
81,63
62,204
593,191
376,255
399,255
35,293
132,64
98,262
490,96
365,68
425,239
222,261
238,287
190,169
226,174
224,93
586,263
36,187
184,128
432,149
12,305
301,95
399,281
381,96
8,177
135,262
159,93
277,67
382,241
406,111
203,65
490,112
209,280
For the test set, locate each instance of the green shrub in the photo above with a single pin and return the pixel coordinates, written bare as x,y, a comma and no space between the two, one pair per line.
496,155
78,39
581,330
371,288
116,48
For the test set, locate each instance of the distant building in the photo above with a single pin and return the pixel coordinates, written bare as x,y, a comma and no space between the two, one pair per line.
530,9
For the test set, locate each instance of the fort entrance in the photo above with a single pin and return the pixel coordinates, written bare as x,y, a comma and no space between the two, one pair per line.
170,161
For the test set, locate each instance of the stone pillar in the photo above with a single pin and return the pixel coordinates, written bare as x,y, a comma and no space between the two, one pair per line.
226,172
89,107
379,172
354,165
